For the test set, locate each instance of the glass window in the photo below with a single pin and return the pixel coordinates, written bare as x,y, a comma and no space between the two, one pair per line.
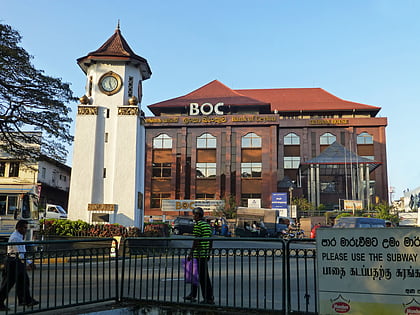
163,141
369,157
291,139
2,169
204,196
14,169
328,187
156,201
251,140
251,169
364,138
205,170
161,169
206,141
291,161
327,139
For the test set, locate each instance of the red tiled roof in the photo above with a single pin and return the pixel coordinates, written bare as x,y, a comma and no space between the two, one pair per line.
304,99
115,48
213,92
282,100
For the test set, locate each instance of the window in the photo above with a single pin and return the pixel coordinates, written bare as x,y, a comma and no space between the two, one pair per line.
252,169
163,141
328,187
369,157
14,169
291,161
251,140
204,196
161,169
327,139
364,138
205,170
43,172
291,139
206,141
157,198
2,169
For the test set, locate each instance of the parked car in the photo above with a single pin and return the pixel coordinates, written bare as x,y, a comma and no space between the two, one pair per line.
183,225
358,222
313,231
53,212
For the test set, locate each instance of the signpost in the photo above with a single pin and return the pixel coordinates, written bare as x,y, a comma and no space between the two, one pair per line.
373,271
279,201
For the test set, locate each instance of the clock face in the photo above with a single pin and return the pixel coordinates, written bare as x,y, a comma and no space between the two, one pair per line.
110,83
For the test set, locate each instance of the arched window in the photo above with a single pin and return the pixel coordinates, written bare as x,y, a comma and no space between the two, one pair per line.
251,140
364,138
206,141
163,141
327,139
291,139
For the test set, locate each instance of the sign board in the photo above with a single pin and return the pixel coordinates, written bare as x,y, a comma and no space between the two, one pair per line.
254,203
373,271
189,205
101,207
351,205
279,200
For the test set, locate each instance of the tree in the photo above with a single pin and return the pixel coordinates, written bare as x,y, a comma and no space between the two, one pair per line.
34,117
228,210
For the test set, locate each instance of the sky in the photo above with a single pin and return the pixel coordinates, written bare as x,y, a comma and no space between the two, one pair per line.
365,51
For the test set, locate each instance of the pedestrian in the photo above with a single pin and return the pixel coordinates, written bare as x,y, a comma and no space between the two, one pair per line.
201,251
15,269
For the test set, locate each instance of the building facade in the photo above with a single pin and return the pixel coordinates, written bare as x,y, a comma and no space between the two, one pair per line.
218,143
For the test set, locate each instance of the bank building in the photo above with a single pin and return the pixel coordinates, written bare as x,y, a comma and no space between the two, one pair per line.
216,143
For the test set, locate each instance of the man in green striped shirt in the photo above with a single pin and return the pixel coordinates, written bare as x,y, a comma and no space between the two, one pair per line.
201,251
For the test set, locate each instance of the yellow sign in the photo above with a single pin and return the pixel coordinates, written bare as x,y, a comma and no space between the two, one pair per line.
328,121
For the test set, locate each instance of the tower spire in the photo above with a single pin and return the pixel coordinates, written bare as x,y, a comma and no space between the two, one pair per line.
118,25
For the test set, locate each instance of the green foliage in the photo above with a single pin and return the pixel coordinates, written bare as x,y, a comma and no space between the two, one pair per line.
229,210
344,214
383,212
31,101
55,227
303,204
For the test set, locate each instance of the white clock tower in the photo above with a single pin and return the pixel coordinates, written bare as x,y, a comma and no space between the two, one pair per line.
107,180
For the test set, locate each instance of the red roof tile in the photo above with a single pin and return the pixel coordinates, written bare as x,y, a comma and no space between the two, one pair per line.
213,92
304,99
282,100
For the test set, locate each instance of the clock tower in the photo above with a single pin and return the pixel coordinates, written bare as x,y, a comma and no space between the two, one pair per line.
107,180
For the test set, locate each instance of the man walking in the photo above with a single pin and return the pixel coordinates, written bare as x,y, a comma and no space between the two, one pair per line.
201,251
15,269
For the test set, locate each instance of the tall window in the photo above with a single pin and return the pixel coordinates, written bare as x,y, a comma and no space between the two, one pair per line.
291,139
163,141
14,169
157,198
206,170
2,169
251,140
327,139
206,141
252,169
291,161
364,138
161,169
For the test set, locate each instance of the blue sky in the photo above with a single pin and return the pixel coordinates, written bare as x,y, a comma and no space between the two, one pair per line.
366,51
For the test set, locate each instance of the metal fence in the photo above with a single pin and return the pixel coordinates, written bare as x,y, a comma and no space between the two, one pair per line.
272,275
255,274
67,274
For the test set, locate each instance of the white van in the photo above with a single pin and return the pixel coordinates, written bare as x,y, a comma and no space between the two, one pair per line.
53,212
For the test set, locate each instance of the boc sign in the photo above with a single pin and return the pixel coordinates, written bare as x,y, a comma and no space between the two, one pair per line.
205,109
